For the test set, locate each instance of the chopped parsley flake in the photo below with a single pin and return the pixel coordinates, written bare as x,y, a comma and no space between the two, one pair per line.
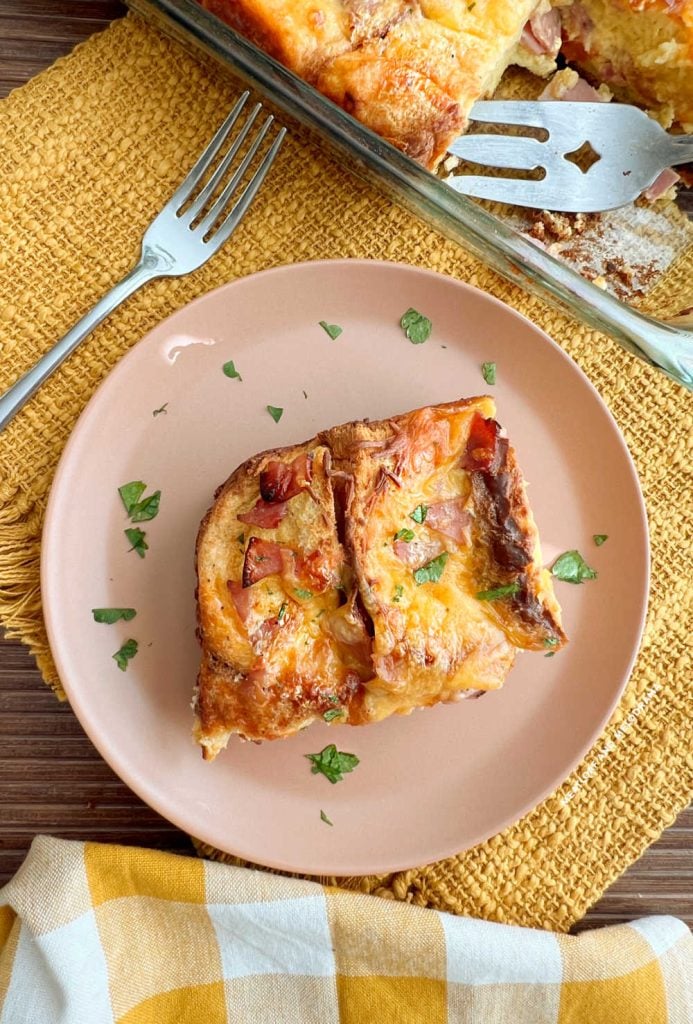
416,326
231,371
241,538
139,511
281,615
333,713
571,567
419,513
275,412
131,493
493,595
399,591
125,654
431,571
323,817
303,594
332,763
405,534
599,538
111,615
334,330
136,538
333,698
488,371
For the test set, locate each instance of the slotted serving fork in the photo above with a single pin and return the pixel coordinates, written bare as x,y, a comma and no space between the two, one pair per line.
198,219
632,149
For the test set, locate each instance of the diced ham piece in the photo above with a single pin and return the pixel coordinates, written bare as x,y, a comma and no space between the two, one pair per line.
542,33
240,598
313,571
450,518
417,552
262,558
264,514
580,92
280,481
265,631
661,183
482,444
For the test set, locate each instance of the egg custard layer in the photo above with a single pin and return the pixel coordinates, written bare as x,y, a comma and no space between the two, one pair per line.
377,568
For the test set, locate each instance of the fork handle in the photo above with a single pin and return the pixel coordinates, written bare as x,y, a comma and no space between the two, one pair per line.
19,393
681,149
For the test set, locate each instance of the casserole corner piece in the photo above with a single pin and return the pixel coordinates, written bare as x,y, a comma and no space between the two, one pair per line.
378,568
409,71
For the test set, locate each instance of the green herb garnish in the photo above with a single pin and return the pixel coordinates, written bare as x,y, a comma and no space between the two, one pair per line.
333,698
126,652
405,534
419,513
162,408
303,594
332,763
550,641
281,615
416,326
136,538
146,509
334,330
111,615
489,372
399,590
139,511
493,595
431,571
131,493
599,538
241,538
275,412
231,371
333,713
323,817
571,567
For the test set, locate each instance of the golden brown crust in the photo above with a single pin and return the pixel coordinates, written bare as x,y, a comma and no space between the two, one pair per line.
368,635
409,70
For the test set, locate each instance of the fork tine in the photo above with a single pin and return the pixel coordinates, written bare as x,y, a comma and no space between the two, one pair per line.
544,194
524,112
238,211
199,201
205,159
218,207
500,150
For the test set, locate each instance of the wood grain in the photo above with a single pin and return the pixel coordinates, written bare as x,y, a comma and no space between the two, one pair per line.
51,777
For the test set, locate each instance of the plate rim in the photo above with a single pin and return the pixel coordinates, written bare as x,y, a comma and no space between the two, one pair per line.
50,527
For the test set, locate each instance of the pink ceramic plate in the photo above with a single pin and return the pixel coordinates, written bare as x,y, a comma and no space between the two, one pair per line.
430,784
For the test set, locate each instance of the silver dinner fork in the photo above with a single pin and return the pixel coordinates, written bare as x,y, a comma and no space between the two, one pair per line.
632,151
198,219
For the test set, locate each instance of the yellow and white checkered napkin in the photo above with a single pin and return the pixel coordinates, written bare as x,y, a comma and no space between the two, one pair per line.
93,934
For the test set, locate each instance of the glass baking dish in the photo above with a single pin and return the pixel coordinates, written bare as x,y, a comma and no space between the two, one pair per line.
666,344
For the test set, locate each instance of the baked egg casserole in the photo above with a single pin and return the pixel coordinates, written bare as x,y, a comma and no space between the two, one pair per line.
378,568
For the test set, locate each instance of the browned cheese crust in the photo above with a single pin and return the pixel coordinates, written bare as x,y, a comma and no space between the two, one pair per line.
409,69
343,576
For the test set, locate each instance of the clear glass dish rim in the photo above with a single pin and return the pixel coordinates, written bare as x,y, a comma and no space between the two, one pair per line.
661,343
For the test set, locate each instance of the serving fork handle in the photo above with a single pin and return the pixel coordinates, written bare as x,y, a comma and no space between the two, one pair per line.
681,149
150,265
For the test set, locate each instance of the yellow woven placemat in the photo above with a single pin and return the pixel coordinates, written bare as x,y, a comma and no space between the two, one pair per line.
89,152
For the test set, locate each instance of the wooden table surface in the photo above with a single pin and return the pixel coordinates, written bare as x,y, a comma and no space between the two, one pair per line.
51,778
